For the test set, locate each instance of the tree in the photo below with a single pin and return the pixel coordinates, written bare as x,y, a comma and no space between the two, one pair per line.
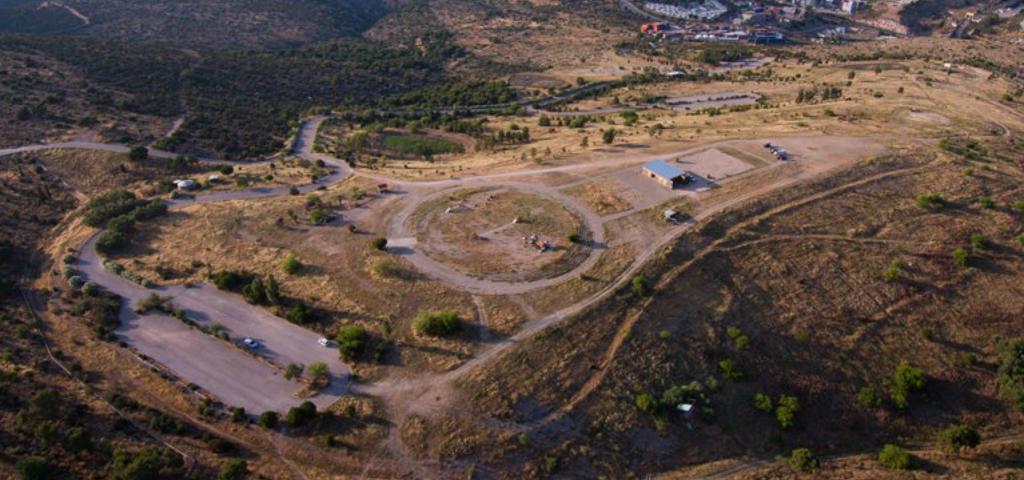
803,460
905,380
786,410
142,465
380,243
234,469
299,313
437,324
291,265
268,419
608,136
226,170
301,415
138,154
544,121
1011,371
895,457
254,292
34,468
955,438
351,341
762,402
272,290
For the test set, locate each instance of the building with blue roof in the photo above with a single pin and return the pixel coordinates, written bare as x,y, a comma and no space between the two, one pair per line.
664,173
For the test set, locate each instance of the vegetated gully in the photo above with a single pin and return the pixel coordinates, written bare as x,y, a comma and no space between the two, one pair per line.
252,379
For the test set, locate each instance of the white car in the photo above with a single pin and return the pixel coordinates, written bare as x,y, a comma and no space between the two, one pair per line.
324,342
253,344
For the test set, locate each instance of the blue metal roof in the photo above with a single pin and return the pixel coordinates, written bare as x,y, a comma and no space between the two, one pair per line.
663,169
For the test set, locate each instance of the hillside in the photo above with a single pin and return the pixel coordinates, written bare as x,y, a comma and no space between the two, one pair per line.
195,23
787,297
231,104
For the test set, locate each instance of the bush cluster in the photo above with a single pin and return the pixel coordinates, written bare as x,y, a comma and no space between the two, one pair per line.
437,324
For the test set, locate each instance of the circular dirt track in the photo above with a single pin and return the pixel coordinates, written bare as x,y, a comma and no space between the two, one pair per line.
502,234
490,238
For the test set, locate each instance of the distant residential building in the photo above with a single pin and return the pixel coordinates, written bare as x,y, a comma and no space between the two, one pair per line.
709,10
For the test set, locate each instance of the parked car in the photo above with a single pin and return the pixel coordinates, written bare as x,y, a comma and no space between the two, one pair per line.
253,344
324,342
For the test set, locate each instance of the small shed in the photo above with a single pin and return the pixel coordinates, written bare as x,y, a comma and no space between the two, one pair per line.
665,174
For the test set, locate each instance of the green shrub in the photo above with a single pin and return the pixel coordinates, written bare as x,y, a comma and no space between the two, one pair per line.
574,237
639,286
253,292
293,371
930,201
351,341
299,313
868,398
730,371
892,272
291,265
986,202
76,281
268,419
154,302
1019,206
785,411
896,458
966,147
318,373
226,169
645,402
955,438
301,415
138,154
437,324
905,381
979,241
90,289
961,256
234,469
803,460
762,402
380,243
230,281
